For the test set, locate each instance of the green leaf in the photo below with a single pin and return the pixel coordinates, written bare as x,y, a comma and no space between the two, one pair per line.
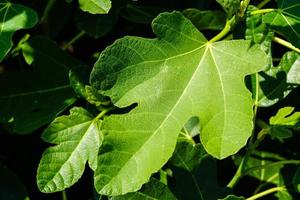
233,197
206,19
32,98
11,188
171,78
283,121
154,190
260,158
296,180
276,83
13,17
230,6
286,20
194,173
97,26
258,32
95,6
77,137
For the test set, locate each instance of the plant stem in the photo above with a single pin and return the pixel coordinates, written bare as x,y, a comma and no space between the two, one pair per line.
225,31
282,162
103,112
262,11
266,192
64,195
286,44
47,10
73,40
263,3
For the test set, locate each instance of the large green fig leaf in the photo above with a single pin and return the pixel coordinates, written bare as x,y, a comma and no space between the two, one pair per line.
172,78
77,137
154,190
13,17
32,98
95,6
286,20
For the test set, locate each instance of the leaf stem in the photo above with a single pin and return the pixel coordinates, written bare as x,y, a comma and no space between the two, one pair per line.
266,192
47,10
104,112
282,162
225,31
64,195
73,40
262,11
263,3
286,44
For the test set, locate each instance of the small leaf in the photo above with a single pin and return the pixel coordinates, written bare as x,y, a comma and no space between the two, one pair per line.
95,6
171,78
30,99
154,190
206,19
286,20
230,6
286,117
284,120
77,137
13,17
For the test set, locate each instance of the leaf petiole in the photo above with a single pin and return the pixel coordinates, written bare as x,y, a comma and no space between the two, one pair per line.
262,11
286,44
266,192
73,40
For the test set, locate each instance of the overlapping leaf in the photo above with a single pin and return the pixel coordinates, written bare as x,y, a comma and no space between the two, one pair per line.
95,6
77,138
276,83
171,78
154,190
13,17
206,20
286,20
32,98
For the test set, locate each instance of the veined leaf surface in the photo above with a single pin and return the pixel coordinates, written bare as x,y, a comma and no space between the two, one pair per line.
77,138
172,78
13,17
95,6
286,20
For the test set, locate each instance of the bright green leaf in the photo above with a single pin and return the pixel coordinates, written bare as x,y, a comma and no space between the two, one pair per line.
77,137
284,120
206,19
171,78
286,20
13,17
95,6
230,6
30,99
154,190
